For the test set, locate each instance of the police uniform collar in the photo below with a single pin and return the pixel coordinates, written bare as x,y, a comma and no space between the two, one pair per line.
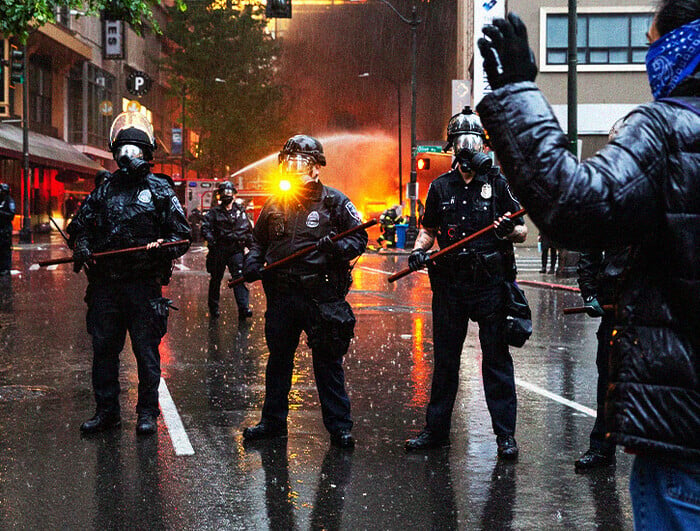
456,178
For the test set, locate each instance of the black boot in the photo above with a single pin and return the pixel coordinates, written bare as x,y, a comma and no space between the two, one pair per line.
343,439
594,459
427,439
103,420
146,424
507,447
264,430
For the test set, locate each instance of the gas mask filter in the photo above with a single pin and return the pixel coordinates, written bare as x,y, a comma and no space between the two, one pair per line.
226,197
468,150
129,157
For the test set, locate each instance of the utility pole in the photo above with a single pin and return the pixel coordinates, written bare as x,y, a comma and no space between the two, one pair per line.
572,56
25,233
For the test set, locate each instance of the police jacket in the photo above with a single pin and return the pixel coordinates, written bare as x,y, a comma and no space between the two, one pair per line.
7,214
224,228
599,273
642,189
455,210
123,212
288,224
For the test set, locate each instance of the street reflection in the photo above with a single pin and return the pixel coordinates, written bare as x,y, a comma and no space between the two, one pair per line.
279,496
420,370
330,493
443,503
498,510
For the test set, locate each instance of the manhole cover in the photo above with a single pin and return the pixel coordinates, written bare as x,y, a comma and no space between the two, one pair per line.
22,392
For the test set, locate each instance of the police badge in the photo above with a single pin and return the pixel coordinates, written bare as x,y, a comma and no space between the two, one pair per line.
486,191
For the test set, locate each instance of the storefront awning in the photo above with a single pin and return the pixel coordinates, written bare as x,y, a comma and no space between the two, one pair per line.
45,151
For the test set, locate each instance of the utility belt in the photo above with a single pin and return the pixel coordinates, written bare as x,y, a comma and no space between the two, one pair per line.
233,246
472,267
324,286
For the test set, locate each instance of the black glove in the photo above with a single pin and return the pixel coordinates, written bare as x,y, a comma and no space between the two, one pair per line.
505,228
507,55
327,246
81,255
252,272
418,259
593,307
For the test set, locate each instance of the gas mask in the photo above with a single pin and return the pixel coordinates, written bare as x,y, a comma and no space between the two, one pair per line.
299,166
468,150
226,197
129,157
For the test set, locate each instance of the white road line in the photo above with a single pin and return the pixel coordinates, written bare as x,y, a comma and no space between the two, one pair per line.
52,267
16,271
34,267
182,267
181,442
375,270
540,391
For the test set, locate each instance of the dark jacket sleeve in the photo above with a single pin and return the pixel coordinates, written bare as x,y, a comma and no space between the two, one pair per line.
588,270
7,212
174,225
208,227
592,204
260,240
354,245
84,221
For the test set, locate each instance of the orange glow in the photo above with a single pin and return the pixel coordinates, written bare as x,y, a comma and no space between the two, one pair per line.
420,375
421,164
285,185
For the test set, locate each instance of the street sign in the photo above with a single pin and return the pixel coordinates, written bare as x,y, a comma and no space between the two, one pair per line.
106,108
133,106
113,39
428,149
138,83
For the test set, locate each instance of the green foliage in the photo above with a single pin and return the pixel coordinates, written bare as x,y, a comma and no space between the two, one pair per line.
237,117
20,17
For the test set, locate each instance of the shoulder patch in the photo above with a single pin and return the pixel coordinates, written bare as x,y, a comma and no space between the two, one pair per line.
352,211
176,204
144,196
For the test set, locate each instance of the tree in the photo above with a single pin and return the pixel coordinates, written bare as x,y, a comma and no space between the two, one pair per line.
19,17
225,59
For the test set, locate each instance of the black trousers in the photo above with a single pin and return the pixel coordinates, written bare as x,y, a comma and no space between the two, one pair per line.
115,308
287,315
453,306
217,262
5,252
546,247
602,361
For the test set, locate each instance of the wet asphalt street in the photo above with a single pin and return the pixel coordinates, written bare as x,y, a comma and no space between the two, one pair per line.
52,478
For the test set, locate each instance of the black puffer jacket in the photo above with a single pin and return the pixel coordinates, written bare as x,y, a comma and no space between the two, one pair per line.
227,228
122,213
642,189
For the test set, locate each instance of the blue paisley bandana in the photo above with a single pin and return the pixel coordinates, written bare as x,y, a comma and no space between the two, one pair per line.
672,58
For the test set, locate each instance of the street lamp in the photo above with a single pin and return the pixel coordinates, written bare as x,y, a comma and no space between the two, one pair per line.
398,99
413,22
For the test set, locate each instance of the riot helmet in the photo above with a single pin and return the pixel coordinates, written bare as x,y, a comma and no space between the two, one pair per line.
300,155
4,189
132,142
226,191
465,136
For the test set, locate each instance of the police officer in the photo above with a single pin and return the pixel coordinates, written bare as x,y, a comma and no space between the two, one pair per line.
228,232
133,207
469,284
7,214
307,294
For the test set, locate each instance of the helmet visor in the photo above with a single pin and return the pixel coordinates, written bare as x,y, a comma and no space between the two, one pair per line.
296,164
472,142
228,192
131,119
130,151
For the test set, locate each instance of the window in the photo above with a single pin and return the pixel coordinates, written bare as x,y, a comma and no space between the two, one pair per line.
602,38
40,94
86,124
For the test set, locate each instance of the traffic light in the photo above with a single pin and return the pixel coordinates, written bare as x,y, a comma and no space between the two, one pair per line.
423,163
278,9
16,65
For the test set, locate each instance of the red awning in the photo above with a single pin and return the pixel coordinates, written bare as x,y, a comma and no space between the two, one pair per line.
45,151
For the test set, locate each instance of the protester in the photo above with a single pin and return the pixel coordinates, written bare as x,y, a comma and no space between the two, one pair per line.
642,190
